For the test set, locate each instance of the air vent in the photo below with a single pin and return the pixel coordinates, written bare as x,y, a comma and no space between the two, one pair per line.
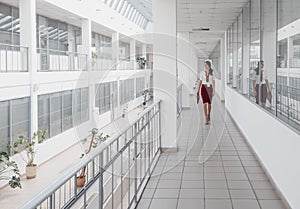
200,29
200,43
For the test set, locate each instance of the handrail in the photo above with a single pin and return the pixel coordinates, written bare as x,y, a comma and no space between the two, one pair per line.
69,173
13,45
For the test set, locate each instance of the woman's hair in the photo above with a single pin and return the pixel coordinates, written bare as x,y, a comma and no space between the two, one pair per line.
209,65
258,66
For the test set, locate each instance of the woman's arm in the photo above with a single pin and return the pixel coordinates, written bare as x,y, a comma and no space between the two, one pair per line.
254,87
199,86
213,86
268,85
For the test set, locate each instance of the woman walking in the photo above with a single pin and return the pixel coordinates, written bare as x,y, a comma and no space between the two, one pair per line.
207,87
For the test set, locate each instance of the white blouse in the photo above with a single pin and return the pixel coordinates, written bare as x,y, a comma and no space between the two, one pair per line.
203,79
264,78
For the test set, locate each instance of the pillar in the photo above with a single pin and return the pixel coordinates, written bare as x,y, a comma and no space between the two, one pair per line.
28,39
184,69
165,68
86,29
132,53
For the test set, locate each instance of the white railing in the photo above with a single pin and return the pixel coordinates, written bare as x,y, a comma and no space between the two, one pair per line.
54,60
13,58
116,171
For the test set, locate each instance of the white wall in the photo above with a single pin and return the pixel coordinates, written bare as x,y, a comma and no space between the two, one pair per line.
276,145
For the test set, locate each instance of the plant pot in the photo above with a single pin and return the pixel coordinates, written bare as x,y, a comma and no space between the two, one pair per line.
80,181
30,171
144,103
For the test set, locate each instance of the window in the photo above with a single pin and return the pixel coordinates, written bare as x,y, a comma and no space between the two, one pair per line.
4,125
67,110
84,104
60,111
103,97
103,45
9,25
140,86
43,113
14,121
55,114
77,106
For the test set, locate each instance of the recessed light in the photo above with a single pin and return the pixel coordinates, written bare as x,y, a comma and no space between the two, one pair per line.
292,26
112,18
98,10
130,28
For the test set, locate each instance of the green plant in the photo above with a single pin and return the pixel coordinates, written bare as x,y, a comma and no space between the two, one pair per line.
94,58
142,61
146,92
29,145
9,171
95,140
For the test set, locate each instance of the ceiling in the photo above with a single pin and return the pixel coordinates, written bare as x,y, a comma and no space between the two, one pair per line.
143,6
217,15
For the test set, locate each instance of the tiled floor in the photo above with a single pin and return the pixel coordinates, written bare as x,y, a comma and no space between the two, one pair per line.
229,178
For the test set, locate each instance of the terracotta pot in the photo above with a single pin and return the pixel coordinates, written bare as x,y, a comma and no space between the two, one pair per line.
30,171
80,181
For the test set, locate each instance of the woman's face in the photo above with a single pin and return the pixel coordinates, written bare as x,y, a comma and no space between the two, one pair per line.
206,67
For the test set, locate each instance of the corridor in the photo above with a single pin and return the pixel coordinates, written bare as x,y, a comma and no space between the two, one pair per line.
231,178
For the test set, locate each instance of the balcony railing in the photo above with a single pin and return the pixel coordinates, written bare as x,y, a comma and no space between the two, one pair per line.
54,60
287,104
13,58
179,99
116,171
102,64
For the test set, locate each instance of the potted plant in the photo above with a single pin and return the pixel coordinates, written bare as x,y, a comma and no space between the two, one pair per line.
142,62
95,141
94,58
29,147
125,107
9,171
146,92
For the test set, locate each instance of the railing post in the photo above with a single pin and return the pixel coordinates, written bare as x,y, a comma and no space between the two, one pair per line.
6,59
148,143
159,125
101,197
135,163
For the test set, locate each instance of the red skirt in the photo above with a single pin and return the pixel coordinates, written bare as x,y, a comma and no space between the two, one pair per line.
206,94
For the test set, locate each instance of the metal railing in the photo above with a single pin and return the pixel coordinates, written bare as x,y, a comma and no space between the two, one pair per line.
287,104
116,171
179,99
13,58
54,60
102,64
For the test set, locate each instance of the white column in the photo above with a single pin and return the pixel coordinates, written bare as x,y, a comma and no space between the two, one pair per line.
132,54
184,67
223,66
115,49
28,39
144,52
164,70
86,29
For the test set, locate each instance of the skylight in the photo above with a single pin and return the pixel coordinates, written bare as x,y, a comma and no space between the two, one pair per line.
136,11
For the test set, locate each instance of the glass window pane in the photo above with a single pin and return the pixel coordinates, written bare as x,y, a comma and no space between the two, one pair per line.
44,113
84,104
20,118
4,125
55,114
67,110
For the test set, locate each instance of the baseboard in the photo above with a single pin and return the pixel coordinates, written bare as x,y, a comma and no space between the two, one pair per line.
281,196
169,149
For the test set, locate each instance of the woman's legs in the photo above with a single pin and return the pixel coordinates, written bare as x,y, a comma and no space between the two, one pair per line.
209,110
205,107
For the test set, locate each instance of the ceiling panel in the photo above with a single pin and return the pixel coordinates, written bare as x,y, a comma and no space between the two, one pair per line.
217,15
